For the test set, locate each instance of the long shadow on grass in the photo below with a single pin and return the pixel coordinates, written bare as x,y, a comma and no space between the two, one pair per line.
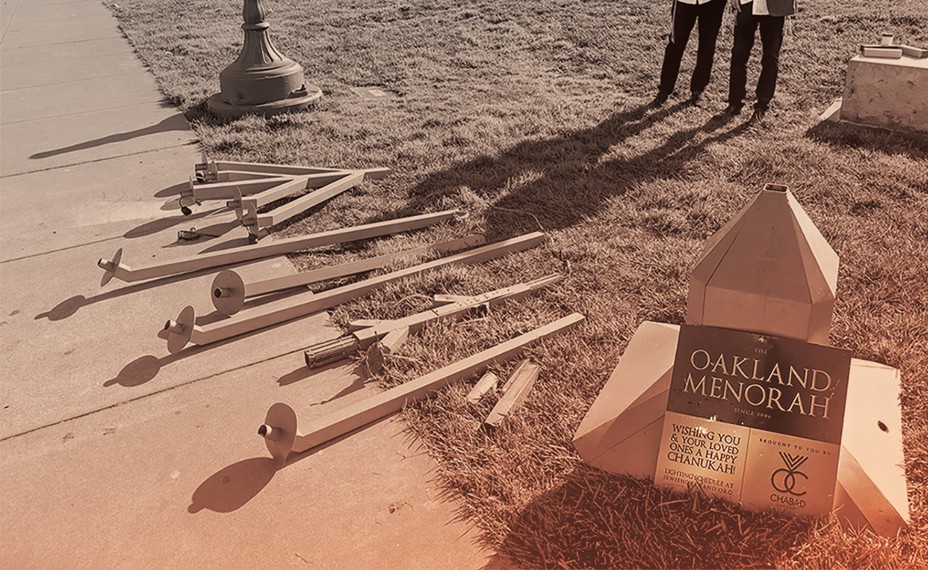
567,178
885,141
598,520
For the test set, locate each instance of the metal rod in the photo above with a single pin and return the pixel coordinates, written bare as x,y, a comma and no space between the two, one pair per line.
114,267
492,298
309,303
362,338
352,417
285,169
303,203
229,290
227,190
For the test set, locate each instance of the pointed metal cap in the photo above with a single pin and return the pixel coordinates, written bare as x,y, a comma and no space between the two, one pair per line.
769,270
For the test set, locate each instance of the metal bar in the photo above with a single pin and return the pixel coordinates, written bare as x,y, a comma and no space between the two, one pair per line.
227,190
307,304
484,385
287,169
280,190
358,415
312,181
114,267
229,290
364,336
303,203
415,322
355,267
238,176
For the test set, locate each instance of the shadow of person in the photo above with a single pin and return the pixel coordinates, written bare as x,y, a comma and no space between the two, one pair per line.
570,194
230,488
175,122
562,180
598,520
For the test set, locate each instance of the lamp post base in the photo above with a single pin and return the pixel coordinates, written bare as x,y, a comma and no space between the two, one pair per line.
222,108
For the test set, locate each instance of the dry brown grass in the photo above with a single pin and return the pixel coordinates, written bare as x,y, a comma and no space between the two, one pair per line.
533,113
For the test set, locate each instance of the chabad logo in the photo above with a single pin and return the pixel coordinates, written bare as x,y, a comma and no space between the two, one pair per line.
786,479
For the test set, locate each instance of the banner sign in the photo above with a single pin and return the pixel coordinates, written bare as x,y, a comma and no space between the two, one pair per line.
755,419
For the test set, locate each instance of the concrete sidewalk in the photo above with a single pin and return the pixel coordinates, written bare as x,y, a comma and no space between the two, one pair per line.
113,452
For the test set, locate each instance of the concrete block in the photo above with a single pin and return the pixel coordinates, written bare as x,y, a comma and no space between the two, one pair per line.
887,92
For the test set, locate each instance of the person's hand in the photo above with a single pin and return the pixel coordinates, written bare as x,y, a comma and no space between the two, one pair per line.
735,5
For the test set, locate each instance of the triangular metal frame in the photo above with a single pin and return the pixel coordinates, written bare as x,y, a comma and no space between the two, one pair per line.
246,187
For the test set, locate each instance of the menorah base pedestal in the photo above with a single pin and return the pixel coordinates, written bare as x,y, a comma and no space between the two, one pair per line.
621,433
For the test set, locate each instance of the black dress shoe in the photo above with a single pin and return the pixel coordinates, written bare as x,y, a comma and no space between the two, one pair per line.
694,98
758,116
659,99
732,110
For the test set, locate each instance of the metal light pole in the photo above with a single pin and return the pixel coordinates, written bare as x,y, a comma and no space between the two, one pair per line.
261,81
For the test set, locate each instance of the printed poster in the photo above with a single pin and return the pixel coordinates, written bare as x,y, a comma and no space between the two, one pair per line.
755,419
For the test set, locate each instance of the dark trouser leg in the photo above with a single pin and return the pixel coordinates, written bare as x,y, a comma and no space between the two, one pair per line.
710,20
745,26
684,18
771,38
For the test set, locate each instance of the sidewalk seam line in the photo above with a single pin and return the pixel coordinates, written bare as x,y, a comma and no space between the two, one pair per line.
60,249
191,143
162,99
15,89
64,43
9,23
142,397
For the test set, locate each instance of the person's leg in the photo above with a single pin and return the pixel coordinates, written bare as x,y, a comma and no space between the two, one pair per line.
771,37
684,17
745,26
710,20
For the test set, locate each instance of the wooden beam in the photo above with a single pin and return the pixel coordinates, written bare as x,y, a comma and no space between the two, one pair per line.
308,303
115,268
355,416
515,391
229,291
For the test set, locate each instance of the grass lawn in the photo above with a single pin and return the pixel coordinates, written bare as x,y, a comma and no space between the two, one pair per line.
534,115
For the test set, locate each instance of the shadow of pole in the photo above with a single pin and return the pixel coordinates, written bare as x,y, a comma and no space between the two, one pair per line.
161,224
142,370
173,123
